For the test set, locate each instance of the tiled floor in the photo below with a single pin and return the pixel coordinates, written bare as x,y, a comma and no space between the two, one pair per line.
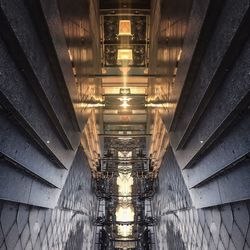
69,226
181,226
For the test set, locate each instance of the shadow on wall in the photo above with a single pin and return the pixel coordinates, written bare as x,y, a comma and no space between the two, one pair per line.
76,237
174,239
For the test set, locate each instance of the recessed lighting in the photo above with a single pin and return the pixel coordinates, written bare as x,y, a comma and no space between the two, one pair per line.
124,28
125,55
48,142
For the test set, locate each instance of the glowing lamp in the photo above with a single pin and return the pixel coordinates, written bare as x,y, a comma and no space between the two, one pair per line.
125,55
125,28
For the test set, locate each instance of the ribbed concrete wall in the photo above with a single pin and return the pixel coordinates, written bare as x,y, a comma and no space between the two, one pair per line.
39,128
209,118
181,226
68,226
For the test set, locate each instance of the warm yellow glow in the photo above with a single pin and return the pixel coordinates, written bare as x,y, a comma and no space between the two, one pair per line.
125,91
124,28
125,104
160,105
124,101
70,55
179,55
156,105
125,54
89,105
125,138
124,69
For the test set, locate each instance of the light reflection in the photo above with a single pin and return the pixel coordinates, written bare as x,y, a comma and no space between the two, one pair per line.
125,182
125,214
124,101
125,209
88,105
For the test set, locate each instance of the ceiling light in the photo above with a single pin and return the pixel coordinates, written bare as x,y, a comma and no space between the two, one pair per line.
125,138
125,104
124,28
124,101
125,55
124,91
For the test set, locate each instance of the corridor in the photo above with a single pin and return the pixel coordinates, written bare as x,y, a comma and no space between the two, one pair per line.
124,124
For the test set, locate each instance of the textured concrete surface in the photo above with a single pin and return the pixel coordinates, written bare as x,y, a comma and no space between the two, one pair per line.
181,226
68,226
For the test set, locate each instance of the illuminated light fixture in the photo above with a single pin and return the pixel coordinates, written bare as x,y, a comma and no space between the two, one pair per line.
89,105
179,55
124,91
125,138
125,104
125,55
125,28
125,214
70,55
124,101
158,104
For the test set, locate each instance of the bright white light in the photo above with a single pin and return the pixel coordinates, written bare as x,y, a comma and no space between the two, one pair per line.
125,210
125,214
157,105
124,105
125,182
124,101
89,105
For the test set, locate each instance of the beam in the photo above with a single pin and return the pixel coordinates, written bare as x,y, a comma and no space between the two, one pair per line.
122,95
120,123
129,75
124,135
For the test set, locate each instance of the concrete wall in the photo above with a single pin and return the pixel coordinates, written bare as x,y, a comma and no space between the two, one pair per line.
208,116
68,226
40,128
182,226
